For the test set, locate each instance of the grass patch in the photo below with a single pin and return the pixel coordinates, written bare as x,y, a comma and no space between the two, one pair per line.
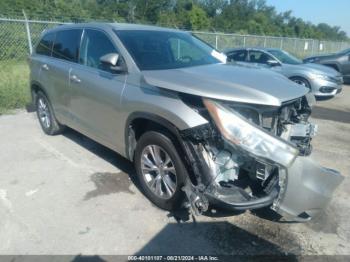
14,85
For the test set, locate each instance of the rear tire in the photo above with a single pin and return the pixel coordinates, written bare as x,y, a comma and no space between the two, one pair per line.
46,116
158,164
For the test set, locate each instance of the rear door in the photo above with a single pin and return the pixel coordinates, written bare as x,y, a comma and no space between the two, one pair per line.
64,55
41,63
96,90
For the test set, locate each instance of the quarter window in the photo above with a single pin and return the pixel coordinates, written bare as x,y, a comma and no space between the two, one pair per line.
95,44
45,45
67,45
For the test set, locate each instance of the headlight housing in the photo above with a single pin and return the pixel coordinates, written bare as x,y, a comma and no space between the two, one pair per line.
323,77
250,137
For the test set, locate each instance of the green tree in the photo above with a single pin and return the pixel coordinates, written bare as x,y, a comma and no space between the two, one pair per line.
233,16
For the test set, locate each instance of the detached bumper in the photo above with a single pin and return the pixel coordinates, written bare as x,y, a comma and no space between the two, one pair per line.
308,189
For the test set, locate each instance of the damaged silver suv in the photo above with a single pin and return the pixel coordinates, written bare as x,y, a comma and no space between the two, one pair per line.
199,132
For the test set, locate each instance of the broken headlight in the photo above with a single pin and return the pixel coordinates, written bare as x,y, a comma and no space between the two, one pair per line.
250,137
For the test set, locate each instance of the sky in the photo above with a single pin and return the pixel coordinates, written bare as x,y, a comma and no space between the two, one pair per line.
332,12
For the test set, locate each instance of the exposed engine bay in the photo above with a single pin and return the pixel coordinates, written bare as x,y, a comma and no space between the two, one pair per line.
235,178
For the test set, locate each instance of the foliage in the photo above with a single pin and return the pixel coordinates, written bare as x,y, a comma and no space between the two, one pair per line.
234,16
14,86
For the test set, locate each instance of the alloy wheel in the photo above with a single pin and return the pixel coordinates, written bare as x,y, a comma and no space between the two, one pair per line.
158,171
44,113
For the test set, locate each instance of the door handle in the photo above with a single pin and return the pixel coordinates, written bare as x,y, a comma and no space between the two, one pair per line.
75,79
45,67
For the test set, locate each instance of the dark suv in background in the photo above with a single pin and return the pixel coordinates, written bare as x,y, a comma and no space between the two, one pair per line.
339,61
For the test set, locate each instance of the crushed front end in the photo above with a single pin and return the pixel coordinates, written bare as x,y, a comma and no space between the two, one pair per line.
253,156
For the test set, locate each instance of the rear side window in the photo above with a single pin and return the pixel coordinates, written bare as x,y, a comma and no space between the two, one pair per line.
95,44
66,45
45,45
239,56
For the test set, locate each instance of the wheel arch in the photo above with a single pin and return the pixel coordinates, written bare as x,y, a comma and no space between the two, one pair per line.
140,122
35,87
300,76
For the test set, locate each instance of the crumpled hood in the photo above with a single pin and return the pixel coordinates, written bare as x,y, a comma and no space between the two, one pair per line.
315,69
228,82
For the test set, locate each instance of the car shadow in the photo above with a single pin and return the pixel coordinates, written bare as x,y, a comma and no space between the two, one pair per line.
324,98
219,238
331,114
108,155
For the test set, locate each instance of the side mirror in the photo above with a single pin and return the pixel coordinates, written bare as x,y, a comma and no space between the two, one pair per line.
272,62
110,61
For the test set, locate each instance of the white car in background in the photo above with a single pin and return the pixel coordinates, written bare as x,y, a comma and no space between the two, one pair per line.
321,80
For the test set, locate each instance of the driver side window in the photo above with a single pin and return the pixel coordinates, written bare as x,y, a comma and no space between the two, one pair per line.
259,57
95,44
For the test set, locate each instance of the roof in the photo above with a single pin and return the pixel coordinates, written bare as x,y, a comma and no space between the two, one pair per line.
117,26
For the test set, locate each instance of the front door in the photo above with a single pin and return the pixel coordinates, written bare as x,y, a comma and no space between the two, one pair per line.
262,59
95,91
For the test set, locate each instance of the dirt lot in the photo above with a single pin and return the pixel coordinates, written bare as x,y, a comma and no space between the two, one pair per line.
68,195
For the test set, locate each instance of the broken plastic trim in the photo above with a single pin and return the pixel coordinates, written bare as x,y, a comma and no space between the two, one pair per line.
197,202
223,200
205,192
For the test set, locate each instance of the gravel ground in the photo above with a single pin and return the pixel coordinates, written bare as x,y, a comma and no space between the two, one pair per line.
68,195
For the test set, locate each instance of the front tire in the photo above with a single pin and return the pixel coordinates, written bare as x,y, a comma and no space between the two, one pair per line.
45,113
160,170
301,81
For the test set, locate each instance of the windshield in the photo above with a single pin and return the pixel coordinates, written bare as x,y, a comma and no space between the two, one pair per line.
285,57
155,50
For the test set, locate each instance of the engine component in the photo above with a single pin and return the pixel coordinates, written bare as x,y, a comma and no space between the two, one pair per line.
223,164
227,168
300,134
263,171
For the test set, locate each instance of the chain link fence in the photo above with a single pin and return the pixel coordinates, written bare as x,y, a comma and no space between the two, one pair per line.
14,40
297,46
